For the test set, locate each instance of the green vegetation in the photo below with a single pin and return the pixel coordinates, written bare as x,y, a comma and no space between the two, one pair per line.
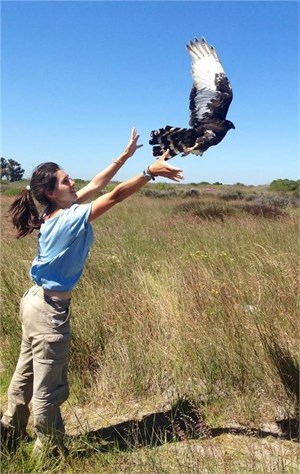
285,185
185,320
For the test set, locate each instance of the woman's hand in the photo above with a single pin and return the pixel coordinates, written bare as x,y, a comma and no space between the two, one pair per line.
160,167
127,188
132,145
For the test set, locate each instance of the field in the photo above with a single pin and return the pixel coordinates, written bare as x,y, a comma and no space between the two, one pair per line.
185,336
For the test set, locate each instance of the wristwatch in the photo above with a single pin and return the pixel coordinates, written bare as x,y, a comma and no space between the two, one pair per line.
147,175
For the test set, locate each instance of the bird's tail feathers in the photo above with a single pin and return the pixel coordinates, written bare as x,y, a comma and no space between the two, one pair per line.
176,140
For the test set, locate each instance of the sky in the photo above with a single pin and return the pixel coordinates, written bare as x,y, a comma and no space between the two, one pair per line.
76,76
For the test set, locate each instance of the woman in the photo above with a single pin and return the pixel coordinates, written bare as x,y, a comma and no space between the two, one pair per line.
65,237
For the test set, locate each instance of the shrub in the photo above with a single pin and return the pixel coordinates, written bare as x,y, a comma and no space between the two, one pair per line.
232,195
285,185
263,210
164,193
206,210
191,192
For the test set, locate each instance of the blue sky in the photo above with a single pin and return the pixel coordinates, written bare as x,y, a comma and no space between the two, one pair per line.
78,75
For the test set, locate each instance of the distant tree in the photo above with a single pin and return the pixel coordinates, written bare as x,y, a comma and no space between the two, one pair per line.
3,167
285,185
11,170
217,183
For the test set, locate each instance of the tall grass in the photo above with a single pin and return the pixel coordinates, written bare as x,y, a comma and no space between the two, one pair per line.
178,303
175,306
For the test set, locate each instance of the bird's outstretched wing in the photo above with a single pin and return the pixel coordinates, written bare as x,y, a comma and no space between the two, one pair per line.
211,93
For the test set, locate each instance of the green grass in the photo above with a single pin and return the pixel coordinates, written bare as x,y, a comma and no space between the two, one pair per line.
174,305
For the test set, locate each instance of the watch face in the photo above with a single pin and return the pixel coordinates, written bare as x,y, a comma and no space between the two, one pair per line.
146,176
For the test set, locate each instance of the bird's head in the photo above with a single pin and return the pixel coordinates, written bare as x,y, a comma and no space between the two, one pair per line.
229,125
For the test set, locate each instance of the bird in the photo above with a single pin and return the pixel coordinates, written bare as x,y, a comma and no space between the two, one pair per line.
209,101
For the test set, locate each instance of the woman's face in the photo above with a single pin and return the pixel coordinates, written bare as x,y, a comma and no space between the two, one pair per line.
64,194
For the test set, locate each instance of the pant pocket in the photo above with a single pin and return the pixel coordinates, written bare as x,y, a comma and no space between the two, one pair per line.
53,349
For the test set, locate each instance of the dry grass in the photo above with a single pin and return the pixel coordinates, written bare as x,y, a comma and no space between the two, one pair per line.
173,306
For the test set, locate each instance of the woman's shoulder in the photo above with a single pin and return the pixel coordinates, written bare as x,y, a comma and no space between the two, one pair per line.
76,216
71,218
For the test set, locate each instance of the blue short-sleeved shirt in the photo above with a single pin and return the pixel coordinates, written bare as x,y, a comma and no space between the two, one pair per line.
63,246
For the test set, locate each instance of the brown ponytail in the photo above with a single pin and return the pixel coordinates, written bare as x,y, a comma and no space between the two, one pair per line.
24,214
23,211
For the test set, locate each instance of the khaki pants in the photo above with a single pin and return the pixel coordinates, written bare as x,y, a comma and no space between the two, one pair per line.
41,371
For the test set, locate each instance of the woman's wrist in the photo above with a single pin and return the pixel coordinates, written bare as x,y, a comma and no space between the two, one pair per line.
119,162
148,174
121,159
149,170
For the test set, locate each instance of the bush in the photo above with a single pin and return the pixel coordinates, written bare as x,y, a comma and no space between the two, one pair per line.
260,199
191,193
285,185
232,195
263,210
155,193
206,210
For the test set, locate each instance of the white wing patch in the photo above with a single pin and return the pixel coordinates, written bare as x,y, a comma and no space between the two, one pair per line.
205,65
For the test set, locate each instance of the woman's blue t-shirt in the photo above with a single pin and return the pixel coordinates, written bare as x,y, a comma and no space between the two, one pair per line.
63,247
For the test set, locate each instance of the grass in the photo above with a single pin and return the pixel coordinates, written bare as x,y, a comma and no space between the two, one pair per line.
175,305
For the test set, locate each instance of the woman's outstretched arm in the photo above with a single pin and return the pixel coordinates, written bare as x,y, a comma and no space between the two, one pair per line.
105,176
122,191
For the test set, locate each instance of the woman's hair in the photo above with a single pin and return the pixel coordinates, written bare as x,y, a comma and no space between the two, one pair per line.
24,213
